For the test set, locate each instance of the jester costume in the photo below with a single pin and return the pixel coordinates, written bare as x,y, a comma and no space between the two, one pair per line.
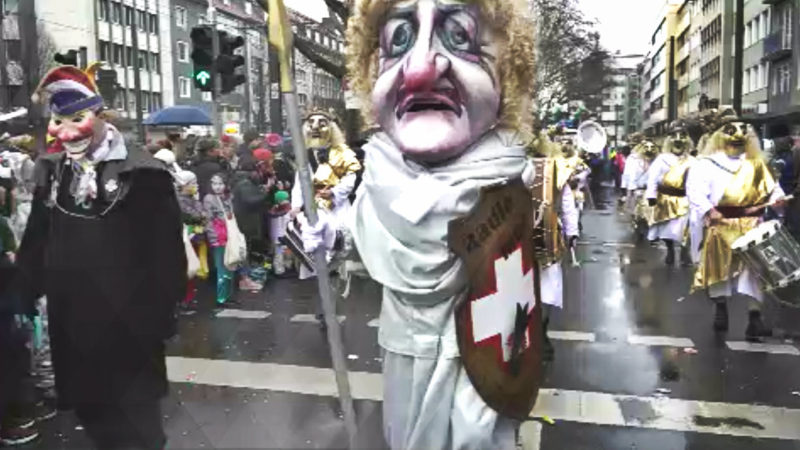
103,243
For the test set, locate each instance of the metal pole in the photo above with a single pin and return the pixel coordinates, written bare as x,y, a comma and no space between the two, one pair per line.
216,81
321,268
738,62
4,103
262,116
34,68
248,100
137,77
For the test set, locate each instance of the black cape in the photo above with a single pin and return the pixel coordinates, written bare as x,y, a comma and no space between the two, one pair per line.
113,273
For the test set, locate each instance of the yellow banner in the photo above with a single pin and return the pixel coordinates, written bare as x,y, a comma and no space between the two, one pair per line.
280,36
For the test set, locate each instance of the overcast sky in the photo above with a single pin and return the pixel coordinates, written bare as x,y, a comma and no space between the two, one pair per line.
624,25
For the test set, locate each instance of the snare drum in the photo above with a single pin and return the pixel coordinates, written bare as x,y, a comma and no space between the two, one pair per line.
774,256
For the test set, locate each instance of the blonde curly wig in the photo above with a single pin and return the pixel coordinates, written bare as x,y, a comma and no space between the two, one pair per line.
510,20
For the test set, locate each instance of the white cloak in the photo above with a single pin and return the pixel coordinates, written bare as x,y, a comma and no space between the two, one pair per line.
401,218
552,276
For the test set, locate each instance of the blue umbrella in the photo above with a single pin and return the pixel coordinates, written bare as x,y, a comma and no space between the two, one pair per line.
179,115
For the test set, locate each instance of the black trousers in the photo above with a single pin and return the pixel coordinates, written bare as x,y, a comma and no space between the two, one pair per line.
123,426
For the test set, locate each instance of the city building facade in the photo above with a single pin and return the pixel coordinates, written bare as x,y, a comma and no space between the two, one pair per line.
782,62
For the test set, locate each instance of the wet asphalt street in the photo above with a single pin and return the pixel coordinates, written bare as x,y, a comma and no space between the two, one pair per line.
637,365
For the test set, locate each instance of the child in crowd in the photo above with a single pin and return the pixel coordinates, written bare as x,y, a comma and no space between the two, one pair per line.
219,208
194,219
279,217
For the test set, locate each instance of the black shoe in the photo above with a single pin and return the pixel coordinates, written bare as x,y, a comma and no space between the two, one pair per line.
721,316
44,410
17,436
686,258
670,260
756,329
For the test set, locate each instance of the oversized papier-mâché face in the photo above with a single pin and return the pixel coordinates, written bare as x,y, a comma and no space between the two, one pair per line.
439,74
735,134
317,131
680,142
77,132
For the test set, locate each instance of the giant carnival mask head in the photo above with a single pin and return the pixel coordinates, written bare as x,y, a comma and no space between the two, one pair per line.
649,149
679,140
438,74
74,106
317,130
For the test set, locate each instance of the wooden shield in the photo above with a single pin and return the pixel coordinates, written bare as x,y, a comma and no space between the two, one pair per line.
499,324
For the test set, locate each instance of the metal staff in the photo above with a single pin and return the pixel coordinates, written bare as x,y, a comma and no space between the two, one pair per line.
280,37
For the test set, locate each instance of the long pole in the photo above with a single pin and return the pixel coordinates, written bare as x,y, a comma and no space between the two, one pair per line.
137,77
4,103
280,36
248,94
215,78
738,62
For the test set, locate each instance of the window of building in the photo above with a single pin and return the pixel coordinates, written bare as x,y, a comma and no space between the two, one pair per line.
128,57
145,102
155,63
144,60
141,21
786,23
116,13
118,55
105,52
120,100
180,17
748,35
757,36
103,10
248,7
183,51
132,101
153,23
128,16
746,81
184,87
155,101
765,23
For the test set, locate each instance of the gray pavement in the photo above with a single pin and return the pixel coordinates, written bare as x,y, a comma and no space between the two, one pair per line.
637,366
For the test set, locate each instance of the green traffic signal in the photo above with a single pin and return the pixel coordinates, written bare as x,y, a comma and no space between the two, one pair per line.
202,77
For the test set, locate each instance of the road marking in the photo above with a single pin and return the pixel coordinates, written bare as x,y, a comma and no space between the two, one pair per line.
577,336
243,314
310,318
775,349
530,435
599,408
374,323
660,341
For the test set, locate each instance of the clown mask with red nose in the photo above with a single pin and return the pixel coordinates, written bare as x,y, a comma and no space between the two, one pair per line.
79,132
437,89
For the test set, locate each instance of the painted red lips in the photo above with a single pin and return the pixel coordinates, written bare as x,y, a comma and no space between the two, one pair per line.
439,100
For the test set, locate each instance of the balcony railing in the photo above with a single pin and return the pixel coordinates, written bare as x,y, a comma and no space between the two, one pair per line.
777,46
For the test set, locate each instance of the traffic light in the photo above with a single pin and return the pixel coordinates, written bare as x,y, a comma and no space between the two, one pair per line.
203,57
69,58
228,61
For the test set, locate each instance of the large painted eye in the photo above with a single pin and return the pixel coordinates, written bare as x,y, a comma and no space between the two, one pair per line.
401,38
458,32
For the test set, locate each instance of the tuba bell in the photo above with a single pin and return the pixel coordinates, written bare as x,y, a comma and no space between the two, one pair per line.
591,137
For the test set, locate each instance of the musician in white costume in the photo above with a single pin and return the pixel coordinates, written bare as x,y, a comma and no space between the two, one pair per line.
666,192
728,189
447,83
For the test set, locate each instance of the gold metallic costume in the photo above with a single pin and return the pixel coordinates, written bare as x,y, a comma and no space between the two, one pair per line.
671,202
321,132
751,186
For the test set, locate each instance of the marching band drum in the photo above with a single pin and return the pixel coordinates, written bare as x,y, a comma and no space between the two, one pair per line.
774,256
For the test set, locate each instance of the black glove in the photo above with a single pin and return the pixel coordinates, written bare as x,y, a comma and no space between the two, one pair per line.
651,201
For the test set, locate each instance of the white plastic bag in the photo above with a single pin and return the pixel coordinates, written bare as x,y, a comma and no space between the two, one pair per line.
193,262
236,248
